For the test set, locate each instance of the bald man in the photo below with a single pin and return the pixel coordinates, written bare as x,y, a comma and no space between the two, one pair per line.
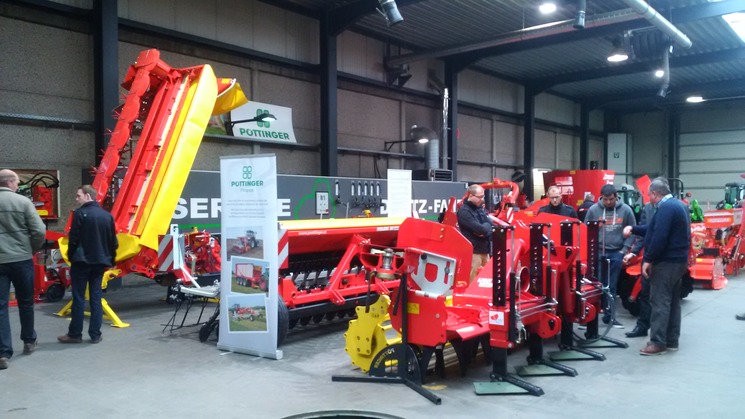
21,234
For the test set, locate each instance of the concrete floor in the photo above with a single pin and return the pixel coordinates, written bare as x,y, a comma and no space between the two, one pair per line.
141,372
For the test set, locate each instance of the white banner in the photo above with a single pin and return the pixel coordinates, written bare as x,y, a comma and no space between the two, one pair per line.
280,130
399,193
248,282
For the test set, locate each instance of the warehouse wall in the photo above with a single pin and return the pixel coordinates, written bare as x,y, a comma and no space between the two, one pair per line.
56,81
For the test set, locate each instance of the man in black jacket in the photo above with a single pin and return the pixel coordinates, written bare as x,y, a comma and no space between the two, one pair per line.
476,226
92,249
555,205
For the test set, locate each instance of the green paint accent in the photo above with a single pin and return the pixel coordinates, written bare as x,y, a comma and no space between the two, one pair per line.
312,195
198,226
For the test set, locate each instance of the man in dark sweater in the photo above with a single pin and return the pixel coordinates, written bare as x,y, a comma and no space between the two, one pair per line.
555,205
92,249
476,226
667,240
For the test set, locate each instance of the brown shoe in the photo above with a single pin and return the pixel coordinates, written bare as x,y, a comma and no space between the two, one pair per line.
652,349
69,339
29,348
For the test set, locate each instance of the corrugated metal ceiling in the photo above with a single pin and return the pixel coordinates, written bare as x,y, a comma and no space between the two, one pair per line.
432,26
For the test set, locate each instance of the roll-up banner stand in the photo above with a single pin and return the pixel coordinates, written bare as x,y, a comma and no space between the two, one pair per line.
248,285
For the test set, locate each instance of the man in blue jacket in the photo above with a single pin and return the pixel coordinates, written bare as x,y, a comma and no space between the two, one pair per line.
91,250
476,226
667,240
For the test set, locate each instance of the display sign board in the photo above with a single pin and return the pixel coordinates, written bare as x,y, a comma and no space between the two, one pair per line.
297,199
249,287
280,130
575,184
399,193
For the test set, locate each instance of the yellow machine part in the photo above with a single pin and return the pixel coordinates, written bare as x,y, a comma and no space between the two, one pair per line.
169,181
129,246
366,335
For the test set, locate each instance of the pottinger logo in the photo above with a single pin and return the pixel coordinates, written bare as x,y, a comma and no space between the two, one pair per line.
262,124
247,172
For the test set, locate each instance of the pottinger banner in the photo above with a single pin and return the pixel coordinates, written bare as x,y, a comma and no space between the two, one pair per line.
248,281
280,130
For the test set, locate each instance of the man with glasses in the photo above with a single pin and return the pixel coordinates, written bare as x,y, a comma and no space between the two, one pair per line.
555,205
21,234
476,226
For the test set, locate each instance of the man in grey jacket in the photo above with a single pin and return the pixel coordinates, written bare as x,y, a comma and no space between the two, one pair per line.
613,246
21,234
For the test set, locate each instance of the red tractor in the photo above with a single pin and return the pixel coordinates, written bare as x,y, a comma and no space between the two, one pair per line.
246,243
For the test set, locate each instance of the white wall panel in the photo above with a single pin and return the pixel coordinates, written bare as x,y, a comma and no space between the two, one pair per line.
556,109
566,145
45,71
708,160
480,89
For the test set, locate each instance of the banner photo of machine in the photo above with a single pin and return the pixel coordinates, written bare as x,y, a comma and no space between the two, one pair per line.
575,184
248,289
262,121
311,197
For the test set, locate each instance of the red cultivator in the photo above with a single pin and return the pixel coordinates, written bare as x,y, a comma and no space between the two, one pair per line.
535,287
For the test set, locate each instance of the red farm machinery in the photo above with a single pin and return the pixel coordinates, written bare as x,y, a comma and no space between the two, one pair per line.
537,286
145,165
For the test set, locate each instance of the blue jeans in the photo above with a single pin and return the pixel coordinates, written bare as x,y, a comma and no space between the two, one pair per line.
21,275
85,276
609,277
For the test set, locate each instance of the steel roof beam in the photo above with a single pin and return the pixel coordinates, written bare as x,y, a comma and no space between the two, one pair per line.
638,67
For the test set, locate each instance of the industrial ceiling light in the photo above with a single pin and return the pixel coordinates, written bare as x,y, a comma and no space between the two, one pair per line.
421,135
390,12
659,73
547,7
579,20
694,99
617,53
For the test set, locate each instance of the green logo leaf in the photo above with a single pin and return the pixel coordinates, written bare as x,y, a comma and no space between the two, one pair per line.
262,124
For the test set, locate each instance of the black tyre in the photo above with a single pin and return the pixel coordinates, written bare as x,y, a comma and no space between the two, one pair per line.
54,293
283,321
204,332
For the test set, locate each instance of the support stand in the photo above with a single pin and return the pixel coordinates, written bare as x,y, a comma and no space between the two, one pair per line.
190,296
502,383
539,366
108,312
404,362
569,351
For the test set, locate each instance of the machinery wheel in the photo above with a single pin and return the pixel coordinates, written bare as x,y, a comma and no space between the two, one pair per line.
385,363
206,330
304,321
252,243
318,318
330,316
283,321
250,317
54,293
634,307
